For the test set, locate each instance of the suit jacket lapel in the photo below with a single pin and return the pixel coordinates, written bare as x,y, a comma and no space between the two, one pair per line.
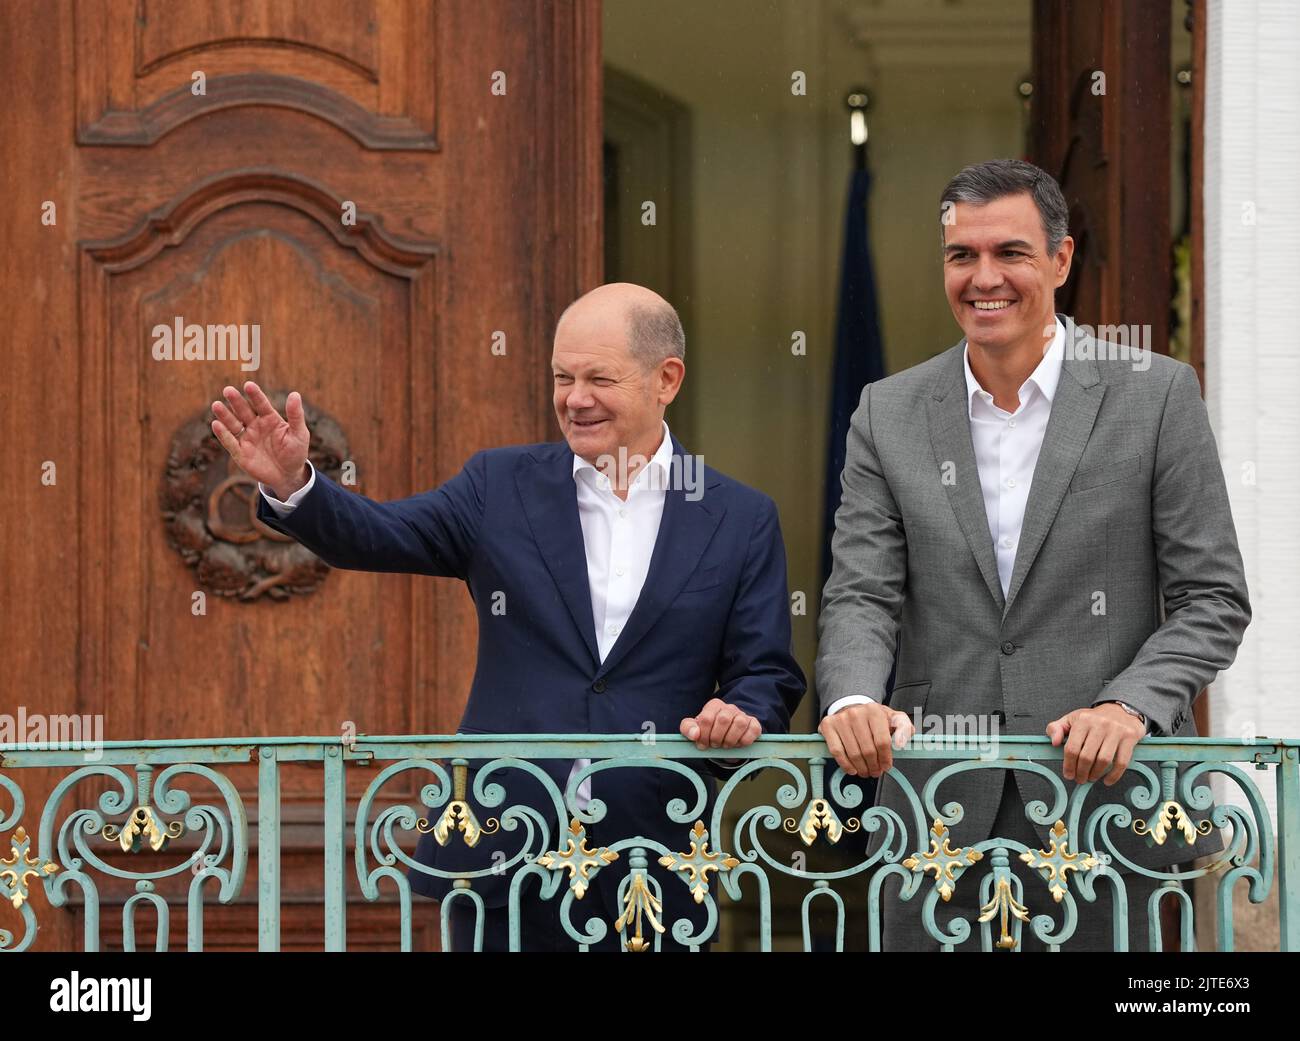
950,437
1074,411
684,531
550,503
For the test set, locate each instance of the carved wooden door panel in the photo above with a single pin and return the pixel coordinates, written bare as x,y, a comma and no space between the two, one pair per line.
351,198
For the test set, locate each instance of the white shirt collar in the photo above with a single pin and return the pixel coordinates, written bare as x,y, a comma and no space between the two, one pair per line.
1045,376
661,461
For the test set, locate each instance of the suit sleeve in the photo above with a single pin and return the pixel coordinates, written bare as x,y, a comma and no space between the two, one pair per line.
759,674
1202,580
433,533
858,623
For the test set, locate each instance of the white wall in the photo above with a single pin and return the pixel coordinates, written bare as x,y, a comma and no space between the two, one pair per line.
1252,360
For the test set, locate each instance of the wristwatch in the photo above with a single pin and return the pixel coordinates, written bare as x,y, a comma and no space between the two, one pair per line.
1131,711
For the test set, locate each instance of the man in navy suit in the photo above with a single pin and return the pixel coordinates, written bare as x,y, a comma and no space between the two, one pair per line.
641,590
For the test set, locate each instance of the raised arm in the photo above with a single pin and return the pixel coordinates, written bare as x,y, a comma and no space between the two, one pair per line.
432,533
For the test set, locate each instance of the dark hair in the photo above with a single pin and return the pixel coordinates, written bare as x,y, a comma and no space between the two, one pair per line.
983,182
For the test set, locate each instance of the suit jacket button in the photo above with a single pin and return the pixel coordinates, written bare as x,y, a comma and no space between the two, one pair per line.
1008,648
599,686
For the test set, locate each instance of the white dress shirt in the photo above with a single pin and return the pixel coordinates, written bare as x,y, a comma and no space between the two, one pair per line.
618,535
1006,451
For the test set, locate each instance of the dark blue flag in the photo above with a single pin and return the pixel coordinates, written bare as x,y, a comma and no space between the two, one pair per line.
859,360
859,355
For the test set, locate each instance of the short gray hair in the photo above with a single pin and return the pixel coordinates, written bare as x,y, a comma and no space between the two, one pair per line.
983,182
655,333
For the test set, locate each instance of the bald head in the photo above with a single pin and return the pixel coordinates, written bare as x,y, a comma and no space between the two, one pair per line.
617,364
650,325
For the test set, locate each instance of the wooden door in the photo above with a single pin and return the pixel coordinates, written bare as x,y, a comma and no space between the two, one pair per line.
399,196
1101,125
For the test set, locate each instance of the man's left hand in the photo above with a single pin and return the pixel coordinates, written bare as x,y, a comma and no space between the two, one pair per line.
720,725
1101,738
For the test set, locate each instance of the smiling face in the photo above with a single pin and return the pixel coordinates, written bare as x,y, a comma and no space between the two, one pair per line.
997,274
604,397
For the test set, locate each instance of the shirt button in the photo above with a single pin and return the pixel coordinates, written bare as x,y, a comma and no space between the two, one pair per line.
612,630
1011,422
1008,648
1011,482
622,513
1007,543
619,572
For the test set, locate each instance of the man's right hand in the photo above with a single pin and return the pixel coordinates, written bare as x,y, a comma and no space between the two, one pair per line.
859,737
260,441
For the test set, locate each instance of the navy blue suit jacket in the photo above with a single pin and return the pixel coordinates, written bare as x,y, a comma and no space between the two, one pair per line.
713,619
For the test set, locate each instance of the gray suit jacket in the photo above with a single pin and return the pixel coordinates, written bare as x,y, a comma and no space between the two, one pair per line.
1127,500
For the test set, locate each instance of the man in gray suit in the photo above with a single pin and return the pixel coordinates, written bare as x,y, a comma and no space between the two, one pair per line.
1041,517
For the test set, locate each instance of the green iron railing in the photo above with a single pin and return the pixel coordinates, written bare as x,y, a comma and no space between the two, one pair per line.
159,791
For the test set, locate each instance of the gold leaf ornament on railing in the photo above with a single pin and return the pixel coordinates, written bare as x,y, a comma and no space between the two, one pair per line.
946,863
1171,817
142,828
458,816
1006,907
817,817
639,903
696,865
577,859
1055,862
20,866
